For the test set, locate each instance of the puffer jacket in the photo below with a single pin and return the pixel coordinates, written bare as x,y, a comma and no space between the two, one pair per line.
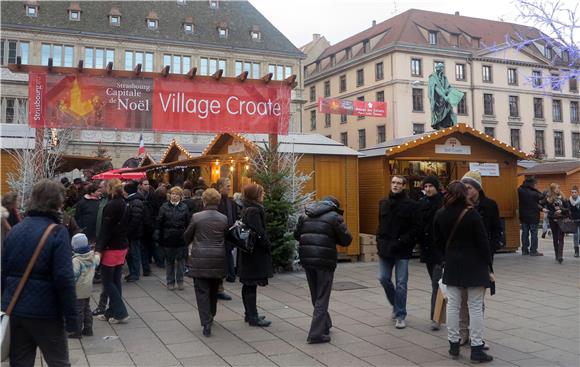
206,234
319,230
398,226
84,266
529,204
171,224
135,210
49,293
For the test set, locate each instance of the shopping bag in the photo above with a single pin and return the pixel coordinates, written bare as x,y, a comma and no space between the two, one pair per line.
440,312
443,287
5,335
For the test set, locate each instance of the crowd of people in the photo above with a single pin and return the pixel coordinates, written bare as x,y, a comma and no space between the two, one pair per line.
104,225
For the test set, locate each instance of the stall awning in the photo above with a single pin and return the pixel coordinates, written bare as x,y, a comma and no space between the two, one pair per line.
553,168
68,163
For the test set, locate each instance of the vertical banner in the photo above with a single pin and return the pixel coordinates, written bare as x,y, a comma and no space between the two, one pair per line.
36,91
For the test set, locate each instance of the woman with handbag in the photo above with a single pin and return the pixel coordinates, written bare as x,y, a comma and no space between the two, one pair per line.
206,233
38,283
254,268
460,234
558,208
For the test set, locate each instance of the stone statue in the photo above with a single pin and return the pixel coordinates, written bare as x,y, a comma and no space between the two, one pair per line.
442,97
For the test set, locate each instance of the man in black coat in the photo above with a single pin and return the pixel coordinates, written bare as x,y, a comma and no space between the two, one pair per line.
396,237
136,210
228,208
319,230
529,212
431,255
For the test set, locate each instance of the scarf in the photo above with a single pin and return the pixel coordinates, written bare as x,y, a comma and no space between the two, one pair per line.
575,202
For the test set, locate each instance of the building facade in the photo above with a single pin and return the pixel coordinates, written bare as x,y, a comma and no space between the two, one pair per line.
509,94
209,35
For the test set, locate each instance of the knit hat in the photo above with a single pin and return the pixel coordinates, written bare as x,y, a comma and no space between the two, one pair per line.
80,243
474,179
433,180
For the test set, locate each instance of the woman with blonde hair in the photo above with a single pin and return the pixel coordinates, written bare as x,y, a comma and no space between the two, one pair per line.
172,221
558,208
112,244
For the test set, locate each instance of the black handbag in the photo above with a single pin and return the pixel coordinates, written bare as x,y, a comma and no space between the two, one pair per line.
242,236
567,225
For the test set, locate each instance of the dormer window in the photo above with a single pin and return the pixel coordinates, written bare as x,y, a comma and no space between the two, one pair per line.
223,32
188,27
115,20
256,35
32,10
366,46
180,2
565,56
74,15
214,4
432,37
548,52
152,23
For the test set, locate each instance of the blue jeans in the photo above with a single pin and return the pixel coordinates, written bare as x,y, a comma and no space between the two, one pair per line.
396,296
134,259
529,231
577,235
111,277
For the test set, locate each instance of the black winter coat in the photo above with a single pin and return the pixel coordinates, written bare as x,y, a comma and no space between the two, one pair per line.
229,208
206,233
86,216
489,212
398,226
468,257
529,204
256,266
171,224
430,254
113,234
319,230
136,212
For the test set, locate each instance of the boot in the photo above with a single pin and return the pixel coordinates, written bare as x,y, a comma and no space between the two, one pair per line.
454,349
576,252
207,330
259,322
478,355
247,318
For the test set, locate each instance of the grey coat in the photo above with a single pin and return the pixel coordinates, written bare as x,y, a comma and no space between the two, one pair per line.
206,233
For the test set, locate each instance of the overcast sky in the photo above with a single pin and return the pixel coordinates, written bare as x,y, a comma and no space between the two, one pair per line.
339,19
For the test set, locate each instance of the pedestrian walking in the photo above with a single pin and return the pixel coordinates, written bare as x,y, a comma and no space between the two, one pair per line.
136,213
255,268
318,231
112,245
206,233
430,254
172,221
529,199
557,208
575,214
45,310
459,232
396,237
84,262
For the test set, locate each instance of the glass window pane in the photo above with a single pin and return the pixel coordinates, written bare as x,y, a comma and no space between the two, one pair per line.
177,64
99,58
238,68
272,69
248,67
186,64
2,42
279,72
138,59
167,60
89,58
56,55
222,65
24,52
44,54
287,71
110,56
203,66
212,66
128,60
68,56
256,70
149,61
12,52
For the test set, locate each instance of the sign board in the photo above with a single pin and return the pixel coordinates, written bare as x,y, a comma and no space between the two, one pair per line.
160,104
236,147
486,169
452,146
355,108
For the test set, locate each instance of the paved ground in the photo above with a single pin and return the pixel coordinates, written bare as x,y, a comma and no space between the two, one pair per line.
533,320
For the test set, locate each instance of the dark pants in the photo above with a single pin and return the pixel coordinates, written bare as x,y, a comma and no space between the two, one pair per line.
435,272
145,256
84,315
206,291
112,284
103,299
557,239
175,264
27,334
134,259
529,238
231,274
320,284
249,295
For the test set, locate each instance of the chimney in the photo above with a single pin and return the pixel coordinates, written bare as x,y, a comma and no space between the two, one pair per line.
316,36
456,13
374,23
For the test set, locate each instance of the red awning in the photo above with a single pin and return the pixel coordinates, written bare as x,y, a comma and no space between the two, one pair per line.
120,174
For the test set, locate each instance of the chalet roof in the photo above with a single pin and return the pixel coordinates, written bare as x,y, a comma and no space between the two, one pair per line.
240,16
400,145
189,150
554,168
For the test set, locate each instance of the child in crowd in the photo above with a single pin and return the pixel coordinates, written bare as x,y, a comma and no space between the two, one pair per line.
85,262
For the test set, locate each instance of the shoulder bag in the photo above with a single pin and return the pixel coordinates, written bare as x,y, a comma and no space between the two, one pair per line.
5,316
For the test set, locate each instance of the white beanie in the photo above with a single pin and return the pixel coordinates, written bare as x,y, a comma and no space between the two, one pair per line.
80,243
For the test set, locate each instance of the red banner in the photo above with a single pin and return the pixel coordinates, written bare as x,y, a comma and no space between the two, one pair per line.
355,108
161,104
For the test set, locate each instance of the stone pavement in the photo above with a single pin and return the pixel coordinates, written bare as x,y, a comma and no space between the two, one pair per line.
533,320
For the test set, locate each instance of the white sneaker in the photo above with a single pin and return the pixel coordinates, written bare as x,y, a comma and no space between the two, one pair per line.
400,324
101,317
113,320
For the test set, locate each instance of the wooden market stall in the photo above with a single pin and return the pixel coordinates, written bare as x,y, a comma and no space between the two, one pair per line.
449,154
565,173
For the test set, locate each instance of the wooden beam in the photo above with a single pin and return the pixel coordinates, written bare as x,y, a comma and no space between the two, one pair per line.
243,76
137,69
218,74
109,67
80,66
267,78
165,70
191,73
